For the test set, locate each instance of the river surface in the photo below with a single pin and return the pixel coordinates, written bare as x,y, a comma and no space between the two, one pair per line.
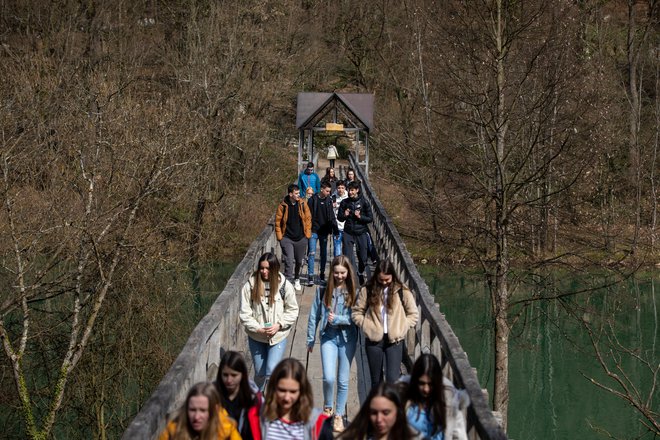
551,354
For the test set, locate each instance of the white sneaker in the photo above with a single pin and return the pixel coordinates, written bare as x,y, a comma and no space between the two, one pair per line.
296,284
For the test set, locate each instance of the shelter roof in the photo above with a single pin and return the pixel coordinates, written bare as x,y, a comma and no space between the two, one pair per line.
312,104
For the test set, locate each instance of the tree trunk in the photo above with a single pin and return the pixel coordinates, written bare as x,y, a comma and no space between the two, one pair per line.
193,253
501,295
633,120
501,385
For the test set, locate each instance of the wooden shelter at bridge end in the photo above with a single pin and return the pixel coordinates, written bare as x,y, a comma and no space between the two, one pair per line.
350,113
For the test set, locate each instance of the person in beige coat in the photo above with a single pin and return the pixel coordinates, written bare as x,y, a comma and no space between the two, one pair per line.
268,310
332,155
385,310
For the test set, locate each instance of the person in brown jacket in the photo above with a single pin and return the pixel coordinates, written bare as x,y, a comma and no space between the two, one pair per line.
385,310
293,227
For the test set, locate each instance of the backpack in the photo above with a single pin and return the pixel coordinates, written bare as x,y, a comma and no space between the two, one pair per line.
283,290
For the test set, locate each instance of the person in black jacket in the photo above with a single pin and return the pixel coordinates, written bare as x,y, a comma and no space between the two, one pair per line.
356,213
324,223
238,394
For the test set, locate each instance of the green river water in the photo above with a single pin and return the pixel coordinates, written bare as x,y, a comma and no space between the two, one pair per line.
551,352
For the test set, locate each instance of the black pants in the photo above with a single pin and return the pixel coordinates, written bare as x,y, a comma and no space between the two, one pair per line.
361,243
385,352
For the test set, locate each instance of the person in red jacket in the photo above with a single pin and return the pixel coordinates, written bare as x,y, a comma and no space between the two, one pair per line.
238,394
289,413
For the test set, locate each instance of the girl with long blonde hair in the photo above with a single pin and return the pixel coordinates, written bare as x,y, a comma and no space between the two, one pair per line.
201,417
331,311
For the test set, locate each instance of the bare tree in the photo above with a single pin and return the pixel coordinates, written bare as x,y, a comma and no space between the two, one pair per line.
134,137
93,242
638,31
495,107
77,174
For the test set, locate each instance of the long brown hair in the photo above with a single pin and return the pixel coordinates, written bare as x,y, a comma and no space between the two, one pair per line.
273,279
235,361
349,292
184,429
290,368
427,364
375,289
327,176
361,426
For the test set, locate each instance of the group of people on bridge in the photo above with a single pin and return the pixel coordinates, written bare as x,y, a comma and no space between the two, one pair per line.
332,207
421,406
278,403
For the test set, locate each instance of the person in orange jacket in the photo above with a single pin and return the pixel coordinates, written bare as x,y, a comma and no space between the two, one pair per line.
293,228
201,417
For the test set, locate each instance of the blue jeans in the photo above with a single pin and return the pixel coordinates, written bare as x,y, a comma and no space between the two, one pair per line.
265,358
336,244
323,243
335,350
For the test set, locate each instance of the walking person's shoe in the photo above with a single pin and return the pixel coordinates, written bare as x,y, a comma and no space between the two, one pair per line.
328,411
310,280
296,284
338,423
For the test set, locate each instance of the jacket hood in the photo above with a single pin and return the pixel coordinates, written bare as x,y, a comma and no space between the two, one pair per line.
287,200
